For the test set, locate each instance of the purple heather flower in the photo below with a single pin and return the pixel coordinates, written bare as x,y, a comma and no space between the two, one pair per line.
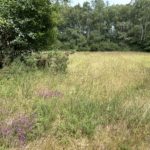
19,127
45,93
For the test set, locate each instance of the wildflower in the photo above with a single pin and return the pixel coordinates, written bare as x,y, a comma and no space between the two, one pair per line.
45,93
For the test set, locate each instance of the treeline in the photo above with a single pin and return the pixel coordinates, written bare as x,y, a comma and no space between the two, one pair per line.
98,26
28,26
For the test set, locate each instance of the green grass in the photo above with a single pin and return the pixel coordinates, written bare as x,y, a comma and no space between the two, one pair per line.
105,103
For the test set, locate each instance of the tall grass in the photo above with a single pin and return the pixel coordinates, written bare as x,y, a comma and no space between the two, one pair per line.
101,103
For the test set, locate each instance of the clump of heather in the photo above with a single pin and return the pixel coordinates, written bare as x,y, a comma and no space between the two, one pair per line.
16,131
46,93
24,128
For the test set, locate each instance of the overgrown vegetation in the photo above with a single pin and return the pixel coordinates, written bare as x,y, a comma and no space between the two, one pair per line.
52,62
25,26
55,100
103,103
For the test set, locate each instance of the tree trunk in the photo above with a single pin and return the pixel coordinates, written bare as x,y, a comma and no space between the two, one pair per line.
142,33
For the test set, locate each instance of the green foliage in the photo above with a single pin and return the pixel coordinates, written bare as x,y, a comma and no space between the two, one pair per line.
105,46
20,67
58,61
30,62
26,25
104,101
26,128
90,26
80,118
141,18
45,115
53,61
5,29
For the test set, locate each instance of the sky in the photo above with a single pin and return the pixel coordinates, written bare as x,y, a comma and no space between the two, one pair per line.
74,2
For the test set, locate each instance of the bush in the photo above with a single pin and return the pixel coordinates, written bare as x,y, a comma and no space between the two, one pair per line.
109,46
94,47
32,28
16,67
53,61
42,63
124,47
30,62
105,46
57,61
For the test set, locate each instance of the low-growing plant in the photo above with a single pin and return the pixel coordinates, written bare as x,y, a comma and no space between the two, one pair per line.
25,128
81,117
17,66
42,63
105,103
30,62
16,132
53,61
45,114
57,61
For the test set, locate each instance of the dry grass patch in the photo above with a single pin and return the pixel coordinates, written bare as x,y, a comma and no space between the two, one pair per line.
105,103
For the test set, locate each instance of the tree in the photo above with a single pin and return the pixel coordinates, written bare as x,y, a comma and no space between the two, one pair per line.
141,21
30,26
100,26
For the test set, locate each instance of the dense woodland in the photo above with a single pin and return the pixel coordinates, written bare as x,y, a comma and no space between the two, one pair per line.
33,25
98,26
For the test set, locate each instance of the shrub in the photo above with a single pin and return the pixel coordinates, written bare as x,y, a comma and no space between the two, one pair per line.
21,65
124,47
57,61
94,47
42,63
105,46
17,67
30,62
52,61
109,46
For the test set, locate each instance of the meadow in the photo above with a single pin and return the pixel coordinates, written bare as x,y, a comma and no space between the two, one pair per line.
102,102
